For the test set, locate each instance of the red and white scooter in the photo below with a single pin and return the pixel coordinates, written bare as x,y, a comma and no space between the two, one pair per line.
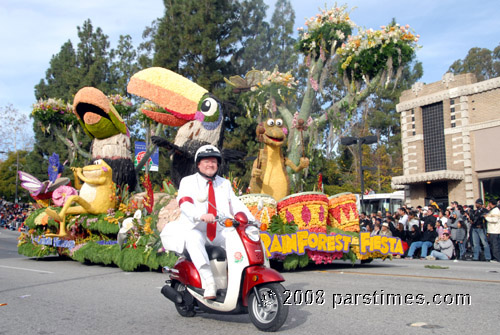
244,283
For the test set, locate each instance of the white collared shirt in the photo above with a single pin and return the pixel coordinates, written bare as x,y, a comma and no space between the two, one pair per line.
193,199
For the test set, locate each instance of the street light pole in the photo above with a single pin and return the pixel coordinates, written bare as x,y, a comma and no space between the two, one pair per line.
17,161
360,140
361,172
17,173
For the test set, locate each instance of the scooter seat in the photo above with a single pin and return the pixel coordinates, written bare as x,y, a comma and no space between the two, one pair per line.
214,252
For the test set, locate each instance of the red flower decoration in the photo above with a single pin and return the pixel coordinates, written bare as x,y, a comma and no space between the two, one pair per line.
321,214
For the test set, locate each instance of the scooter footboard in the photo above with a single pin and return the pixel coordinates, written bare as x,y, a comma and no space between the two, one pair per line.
256,275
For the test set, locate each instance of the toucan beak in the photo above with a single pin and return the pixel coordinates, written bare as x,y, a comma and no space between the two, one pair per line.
177,95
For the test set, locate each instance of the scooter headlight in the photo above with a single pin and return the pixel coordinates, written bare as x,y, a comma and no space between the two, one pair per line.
253,233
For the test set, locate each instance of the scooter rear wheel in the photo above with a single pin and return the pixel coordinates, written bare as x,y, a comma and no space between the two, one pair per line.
184,309
271,315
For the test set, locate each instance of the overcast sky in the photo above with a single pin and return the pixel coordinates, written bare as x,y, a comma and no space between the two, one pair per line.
32,31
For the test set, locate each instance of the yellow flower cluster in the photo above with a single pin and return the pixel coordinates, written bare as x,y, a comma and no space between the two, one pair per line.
147,226
368,255
112,219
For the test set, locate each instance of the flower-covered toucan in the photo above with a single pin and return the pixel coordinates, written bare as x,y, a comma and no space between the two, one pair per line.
111,139
186,105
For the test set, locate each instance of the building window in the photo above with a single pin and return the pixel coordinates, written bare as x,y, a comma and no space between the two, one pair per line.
434,141
413,119
452,101
452,109
453,117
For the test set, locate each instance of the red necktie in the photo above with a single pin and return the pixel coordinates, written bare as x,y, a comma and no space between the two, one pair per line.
211,227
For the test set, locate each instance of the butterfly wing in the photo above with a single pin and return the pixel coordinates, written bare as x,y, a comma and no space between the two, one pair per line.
30,183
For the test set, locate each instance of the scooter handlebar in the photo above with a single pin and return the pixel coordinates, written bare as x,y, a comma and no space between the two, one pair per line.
221,220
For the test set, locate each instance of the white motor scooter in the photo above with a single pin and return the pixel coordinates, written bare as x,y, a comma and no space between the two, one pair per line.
245,284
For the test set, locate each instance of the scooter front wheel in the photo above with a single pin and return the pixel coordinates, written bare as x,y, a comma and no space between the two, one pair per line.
270,315
184,309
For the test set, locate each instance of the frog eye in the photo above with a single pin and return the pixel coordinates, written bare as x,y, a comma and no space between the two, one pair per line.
279,122
209,106
98,162
270,122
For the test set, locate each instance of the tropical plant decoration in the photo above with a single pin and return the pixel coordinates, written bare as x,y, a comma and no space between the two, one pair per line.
122,104
53,112
365,55
268,89
325,32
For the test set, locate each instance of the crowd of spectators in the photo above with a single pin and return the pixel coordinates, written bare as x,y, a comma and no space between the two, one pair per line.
457,232
12,216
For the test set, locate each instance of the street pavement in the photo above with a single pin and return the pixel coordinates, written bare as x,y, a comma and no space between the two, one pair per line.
60,296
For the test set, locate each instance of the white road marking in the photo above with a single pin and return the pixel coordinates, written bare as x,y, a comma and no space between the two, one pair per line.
24,269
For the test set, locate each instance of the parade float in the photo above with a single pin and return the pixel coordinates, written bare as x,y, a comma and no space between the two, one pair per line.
122,228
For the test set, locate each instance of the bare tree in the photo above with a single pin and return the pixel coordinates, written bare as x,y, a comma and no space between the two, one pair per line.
15,128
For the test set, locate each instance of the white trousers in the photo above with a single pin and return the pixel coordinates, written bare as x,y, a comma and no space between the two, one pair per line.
196,240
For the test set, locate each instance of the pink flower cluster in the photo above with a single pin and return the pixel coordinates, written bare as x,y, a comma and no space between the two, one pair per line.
321,257
306,214
62,193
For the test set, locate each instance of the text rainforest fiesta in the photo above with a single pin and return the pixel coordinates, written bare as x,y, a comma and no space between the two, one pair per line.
298,242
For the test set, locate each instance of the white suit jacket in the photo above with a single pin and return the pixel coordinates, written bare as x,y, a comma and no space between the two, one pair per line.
193,202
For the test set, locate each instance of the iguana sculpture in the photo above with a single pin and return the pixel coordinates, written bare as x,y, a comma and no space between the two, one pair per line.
269,174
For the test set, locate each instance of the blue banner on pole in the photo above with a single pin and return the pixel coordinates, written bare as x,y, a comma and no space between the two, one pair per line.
153,161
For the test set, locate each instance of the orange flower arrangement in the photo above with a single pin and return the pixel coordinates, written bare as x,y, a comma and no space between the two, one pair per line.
266,213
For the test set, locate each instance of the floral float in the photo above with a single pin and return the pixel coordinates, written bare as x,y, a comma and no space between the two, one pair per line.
310,226
126,236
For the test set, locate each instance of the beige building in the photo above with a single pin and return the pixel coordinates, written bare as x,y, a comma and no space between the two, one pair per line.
450,131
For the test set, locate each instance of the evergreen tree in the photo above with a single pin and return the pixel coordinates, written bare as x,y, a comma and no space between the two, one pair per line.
281,53
196,39
484,63
8,170
145,51
124,65
93,57
62,77
255,38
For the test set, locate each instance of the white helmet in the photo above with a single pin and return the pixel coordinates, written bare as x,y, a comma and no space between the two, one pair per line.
207,151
